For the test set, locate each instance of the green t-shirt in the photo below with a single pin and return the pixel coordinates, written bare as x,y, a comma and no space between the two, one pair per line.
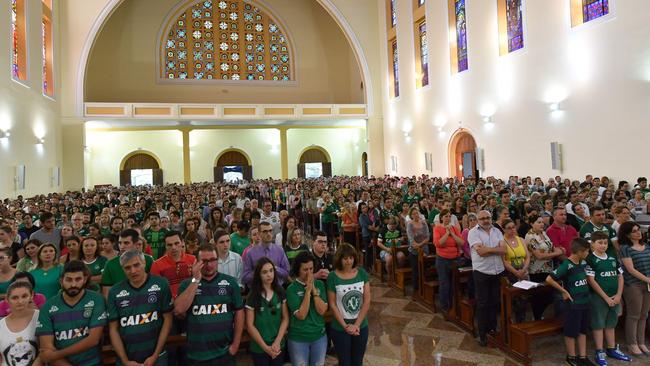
349,296
70,324
293,253
47,282
574,278
432,215
389,238
211,316
156,239
329,215
139,313
267,320
312,328
589,228
96,267
606,271
239,243
411,199
113,272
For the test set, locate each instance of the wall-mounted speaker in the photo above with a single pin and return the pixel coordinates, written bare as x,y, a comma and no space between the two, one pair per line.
480,160
556,156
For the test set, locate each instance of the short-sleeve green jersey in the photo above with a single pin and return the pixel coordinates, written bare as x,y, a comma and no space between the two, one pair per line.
47,282
293,253
411,199
312,327
156,239
389,238
267,320
589,228
605,271
574,278
71,324
239,243
139,313
329,214
113,272
432,215
349,296
211,316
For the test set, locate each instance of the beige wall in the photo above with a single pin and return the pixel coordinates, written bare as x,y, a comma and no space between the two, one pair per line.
107,149
344,145
601,67
122,65
27,113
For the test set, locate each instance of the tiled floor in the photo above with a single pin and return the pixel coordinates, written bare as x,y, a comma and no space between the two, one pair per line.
405,333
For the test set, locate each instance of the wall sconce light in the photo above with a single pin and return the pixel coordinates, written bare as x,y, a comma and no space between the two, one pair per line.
554,106
5,134
40,141
488,119
407,134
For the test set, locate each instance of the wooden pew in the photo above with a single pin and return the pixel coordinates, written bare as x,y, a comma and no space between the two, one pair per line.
428,281
462,308
516,338
110,358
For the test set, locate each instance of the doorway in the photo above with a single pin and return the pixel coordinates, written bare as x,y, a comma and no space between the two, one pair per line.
462,155
233,166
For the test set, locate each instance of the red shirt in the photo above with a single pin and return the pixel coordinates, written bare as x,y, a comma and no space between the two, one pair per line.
562,236
450,250
174,272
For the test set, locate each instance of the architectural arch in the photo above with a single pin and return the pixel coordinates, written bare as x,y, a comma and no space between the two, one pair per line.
112,5
140,159
314,154
229,158
461,152
245,16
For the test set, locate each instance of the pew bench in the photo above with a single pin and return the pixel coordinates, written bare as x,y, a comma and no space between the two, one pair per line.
516,338
462,308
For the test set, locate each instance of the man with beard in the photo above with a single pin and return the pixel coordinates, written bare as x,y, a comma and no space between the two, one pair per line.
139,313
70,324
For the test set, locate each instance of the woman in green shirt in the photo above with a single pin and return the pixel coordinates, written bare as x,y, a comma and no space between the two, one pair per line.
267,316
348,292
28,262
47,272
307,303
294,244
7,272
90,256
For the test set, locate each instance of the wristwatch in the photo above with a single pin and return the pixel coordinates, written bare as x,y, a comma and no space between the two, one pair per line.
194,280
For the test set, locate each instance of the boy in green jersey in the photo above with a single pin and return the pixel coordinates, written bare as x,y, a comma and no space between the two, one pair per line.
155,235
576,294
70,324
239,240
391,237
139,313
605,276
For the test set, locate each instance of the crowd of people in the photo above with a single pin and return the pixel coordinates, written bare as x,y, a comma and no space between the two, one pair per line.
288,262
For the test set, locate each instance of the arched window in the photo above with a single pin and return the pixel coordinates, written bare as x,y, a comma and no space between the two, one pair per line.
225,40
18,41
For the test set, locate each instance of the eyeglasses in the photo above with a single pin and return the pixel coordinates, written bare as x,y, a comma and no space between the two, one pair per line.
267,231
2,257
209,261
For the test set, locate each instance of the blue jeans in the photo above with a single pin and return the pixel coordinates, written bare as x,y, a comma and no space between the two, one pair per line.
308,353
350,349
443,267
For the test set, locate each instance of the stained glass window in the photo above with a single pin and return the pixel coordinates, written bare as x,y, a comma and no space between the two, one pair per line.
515,25
461,34
395,69
46,49
592,9
227,40
14,40
44,34
424,53
393,13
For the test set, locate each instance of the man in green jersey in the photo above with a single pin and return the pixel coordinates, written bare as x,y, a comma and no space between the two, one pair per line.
597,223
214,308
576,295
70,324
139,313
113,272
155,235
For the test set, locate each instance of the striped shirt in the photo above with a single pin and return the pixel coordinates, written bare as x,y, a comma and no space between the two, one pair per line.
232,266
641,261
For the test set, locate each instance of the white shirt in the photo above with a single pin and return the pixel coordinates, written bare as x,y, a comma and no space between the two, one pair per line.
20,348
492,264
570,211
232,266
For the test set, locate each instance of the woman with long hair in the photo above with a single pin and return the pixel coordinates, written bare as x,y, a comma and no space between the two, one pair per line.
215,221
267,315
7,272
73,244
295,244
18,329
28,262
282,238
108,243
348,293
635,256
90,255
48,270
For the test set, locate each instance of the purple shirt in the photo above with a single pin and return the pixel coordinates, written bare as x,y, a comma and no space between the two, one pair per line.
271,251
